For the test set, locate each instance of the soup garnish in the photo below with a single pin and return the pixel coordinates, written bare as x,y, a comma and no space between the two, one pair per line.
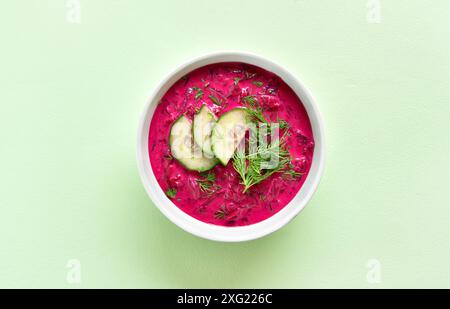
230,144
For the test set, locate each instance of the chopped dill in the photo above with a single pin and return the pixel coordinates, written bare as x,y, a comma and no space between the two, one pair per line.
207,183
256,115
198,93
221,213
249,75
250,100
291,174
171,192
215,100
283,124
168,156
185,78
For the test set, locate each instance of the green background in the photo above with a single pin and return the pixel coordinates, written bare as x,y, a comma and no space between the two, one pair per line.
72,94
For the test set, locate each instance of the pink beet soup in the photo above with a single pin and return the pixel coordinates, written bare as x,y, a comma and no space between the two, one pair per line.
222,87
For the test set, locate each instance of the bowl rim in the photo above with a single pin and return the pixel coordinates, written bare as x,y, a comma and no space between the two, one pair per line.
216,232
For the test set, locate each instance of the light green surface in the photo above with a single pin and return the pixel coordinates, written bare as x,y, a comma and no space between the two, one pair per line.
71,96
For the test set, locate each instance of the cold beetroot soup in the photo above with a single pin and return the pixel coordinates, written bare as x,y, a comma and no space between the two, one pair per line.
211,110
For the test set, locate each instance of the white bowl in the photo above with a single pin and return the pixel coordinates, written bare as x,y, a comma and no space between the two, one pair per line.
223,233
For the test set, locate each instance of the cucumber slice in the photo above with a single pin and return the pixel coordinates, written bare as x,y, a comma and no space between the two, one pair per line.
202,126
228,132
185,150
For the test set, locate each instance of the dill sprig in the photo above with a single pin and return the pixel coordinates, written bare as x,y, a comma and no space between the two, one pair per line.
250,166
258,83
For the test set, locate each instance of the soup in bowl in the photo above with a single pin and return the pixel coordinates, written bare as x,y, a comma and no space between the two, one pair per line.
230,147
